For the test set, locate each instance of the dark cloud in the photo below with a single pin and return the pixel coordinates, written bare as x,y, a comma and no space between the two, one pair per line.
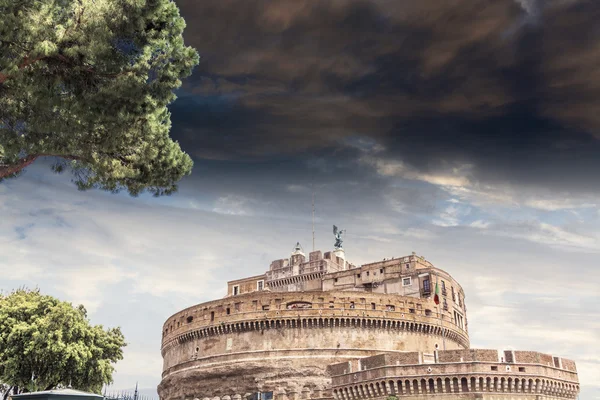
509,87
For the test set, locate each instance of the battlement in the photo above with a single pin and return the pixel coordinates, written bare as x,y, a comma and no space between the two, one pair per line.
455,371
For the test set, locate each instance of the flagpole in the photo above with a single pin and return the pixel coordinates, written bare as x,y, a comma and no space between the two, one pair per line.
440,312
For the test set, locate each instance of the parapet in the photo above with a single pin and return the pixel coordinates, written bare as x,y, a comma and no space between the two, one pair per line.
455,371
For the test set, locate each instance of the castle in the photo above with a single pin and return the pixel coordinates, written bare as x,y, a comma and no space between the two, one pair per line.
319,327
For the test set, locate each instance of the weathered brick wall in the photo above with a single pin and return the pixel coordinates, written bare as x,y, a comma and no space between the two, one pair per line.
569,365
338,369
373,362
403,358
485,355
527,356
454,355
546,359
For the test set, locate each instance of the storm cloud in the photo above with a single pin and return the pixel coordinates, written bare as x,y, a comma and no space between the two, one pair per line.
509,89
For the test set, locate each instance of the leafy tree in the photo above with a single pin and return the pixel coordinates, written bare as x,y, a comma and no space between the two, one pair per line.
45,343
89,82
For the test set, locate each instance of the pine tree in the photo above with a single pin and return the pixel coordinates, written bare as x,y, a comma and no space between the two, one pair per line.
89,82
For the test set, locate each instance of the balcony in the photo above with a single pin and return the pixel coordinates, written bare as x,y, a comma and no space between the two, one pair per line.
425,292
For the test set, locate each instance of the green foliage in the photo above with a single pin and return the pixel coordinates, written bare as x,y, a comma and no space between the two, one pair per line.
53,342
90,81
391,398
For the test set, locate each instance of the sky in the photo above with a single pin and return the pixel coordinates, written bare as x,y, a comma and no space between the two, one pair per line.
467,131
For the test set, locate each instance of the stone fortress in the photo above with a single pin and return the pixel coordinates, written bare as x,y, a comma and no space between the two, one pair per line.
319,327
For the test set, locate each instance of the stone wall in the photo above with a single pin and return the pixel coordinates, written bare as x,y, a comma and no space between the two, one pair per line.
285,341
467,373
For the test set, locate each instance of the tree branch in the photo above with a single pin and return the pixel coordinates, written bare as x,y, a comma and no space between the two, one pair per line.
10,388
7,170
26,62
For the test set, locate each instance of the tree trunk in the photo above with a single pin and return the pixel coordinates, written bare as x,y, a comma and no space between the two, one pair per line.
8,392
8,170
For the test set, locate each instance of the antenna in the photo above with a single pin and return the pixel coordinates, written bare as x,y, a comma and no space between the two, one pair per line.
313,216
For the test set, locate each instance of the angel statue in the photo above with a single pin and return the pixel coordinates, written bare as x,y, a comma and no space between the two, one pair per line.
338,237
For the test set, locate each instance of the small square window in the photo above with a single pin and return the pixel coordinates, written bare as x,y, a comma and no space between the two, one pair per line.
406,281
390,307
494,368
265,307
351,304
411,310
358,275
521,369
335,279
367,273
331,304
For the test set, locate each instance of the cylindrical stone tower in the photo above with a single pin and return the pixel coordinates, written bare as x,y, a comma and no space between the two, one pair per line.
277,333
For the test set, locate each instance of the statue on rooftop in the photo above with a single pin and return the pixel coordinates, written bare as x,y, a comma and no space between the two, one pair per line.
338,237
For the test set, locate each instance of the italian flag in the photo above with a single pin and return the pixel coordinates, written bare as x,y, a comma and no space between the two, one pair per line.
436,298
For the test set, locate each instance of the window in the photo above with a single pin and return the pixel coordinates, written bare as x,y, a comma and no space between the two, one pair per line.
407,266
411,310
381,271
358,275
265,307
443,288
426,286
367,273
406,281
521,369
260,285
255,304
351,304
445,305
331,304
372,306
335,280
236,290
228,310
494,368
427,313
190,319
237,306
212,315
390,307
